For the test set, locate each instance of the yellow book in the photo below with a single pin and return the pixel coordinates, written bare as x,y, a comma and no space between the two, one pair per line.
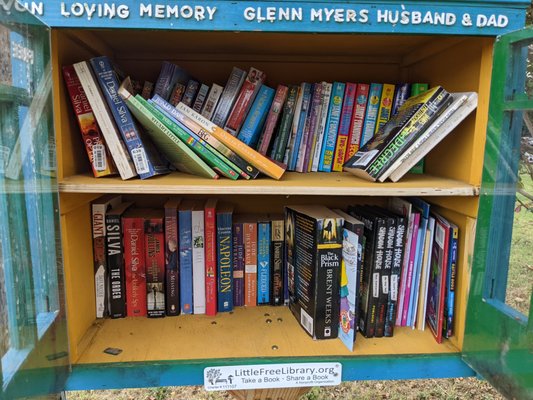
385,106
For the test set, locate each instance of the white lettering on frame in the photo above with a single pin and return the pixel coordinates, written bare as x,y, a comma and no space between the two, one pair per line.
163,11
87,10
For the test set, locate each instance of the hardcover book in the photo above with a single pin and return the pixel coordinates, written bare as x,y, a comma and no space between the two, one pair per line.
253,124
352,253
259,161
211,102
104,118
228,96
115,260
225,257
134,262
198,257
99,208
146,160
344,126
205,137
315,235
358,117
277,258
185,256
332,127
172,293
97,151
177,152
263,261
154,235
272,119
210,256
238,261
394,137
249,89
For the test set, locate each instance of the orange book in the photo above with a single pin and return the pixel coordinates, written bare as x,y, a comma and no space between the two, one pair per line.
250,263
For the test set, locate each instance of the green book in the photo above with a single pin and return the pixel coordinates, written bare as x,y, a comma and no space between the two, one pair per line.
177,152
284,131
212,158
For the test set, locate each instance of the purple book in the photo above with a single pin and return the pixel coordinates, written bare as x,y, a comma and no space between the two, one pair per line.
314,112
238,264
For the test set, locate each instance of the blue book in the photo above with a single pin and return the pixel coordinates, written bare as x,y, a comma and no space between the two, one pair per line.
263,262
332,127
185,256
403,92
451,274
224,257
146,160
371,116
255,119
306,89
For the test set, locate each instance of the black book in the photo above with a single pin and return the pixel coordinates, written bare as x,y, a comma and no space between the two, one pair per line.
172,287
276,253
115,261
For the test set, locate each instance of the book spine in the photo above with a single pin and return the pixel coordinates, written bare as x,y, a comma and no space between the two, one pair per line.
251,128
385,106
314,115
144,162
410,267
198,261
190,92
200,98
326,91
263,262
272,119
405,267
277,247
177,94
172,299
259,161
284,130
94,142
250,263
379,272
116,146
398,246
224,262
385,293
372,108
229,94
115,261
344,126
163,85
415,292
147,89
154,234
238,264
210,259
245,99
448,320
301,132
403,92
211,102
185,261
289,290
294,125
135,266
248,171
214,159
358,117
332,127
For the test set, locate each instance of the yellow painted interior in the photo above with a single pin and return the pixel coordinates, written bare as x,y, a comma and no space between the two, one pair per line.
459,64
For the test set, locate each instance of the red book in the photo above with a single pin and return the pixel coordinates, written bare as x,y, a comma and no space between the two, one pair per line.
172,286
134,262
272,119
210,232
99,157
358,117
244,101
250,263
154,240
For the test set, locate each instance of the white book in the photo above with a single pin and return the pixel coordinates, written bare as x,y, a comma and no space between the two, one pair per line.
326,89
424,277
211,102
463,104
104,118
198,258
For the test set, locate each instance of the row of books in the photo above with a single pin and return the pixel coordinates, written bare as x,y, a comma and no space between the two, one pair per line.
366,269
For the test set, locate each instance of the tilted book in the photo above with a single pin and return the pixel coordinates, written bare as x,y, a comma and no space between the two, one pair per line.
228,96
253,124
99,157
225,257
210,234
177,152
401,94
284,131
146,160
154,240
172,292
314,291
272,119
259,161
103,115
395,136
169,76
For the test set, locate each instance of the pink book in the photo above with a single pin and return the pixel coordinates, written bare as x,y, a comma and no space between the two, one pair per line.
358,117
210,231
344,126
314,113
410,266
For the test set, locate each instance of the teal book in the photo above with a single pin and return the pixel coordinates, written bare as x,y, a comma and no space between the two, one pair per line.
332,127
371,116
253,124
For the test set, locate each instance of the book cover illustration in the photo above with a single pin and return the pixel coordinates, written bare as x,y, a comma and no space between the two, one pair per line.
332,127
210,257
344,126
172,299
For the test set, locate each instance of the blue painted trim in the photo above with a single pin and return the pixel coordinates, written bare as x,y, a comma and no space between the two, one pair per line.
181,373
230,15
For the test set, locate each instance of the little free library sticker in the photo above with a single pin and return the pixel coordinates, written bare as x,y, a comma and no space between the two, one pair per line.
266,376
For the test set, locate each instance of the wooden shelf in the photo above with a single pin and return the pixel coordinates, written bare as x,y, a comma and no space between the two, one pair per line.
339,184
245,333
